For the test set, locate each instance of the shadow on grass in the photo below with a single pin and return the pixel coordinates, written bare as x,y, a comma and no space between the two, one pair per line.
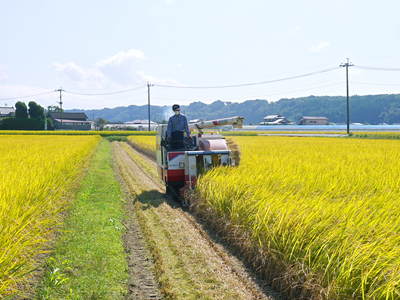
155,198
151,198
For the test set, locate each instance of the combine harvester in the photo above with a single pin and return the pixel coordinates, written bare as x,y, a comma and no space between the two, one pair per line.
179,168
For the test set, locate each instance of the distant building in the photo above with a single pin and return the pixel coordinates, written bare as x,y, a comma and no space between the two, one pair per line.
275,120
141,125
314,121
6,112
70,121
195,121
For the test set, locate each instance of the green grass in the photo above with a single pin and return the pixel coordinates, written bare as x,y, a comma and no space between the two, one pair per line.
116,138
378,135
89,259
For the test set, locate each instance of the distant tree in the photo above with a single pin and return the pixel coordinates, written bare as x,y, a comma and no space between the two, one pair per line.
21,111
35,110
21,124
99,123
391,114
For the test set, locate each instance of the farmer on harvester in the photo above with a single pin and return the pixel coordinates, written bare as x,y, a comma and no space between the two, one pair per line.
177,127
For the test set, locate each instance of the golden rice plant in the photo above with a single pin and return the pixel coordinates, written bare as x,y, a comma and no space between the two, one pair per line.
76,132
326,210
378,135
146,144
36,172
257,132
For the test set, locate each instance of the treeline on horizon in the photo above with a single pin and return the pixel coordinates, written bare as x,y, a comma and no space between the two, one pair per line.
31,117
371,109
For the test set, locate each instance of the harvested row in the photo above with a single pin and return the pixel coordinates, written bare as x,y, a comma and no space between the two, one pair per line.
36,172
323,213
188,265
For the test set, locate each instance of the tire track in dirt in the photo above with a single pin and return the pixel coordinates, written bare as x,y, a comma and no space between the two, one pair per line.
196,255
142,283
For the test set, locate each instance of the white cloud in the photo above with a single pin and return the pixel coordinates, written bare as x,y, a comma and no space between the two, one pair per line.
320,46
78,73
114,71
118,71
121,67
152,79
122,57
15,91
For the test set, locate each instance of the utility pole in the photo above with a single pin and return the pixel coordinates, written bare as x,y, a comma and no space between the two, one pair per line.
347,65
148,101
45,119
60,90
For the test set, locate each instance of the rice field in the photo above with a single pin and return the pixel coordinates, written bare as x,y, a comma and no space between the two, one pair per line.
324,210
76,132
146,143
377,135
37,172
257,132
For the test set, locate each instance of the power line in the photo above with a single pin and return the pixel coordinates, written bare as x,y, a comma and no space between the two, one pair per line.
248,83
376,68
307,89
375,83
27,96
106,94
330,84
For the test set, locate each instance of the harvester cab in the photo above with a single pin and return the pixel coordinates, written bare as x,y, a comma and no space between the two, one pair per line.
180,168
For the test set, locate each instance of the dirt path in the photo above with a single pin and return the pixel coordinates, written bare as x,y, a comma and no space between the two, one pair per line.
142,283
187,263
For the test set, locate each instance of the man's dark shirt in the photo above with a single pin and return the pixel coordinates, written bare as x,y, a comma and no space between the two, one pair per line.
177,123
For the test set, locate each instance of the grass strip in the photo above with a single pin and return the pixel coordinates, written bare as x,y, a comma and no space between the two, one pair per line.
89,259
384,136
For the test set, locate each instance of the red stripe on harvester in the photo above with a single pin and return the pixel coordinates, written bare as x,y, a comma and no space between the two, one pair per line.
176,175
172,155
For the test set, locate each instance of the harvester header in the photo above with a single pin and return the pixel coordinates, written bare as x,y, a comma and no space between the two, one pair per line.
236,122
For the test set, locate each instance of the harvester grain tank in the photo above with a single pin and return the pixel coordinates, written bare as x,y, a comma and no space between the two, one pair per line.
180,168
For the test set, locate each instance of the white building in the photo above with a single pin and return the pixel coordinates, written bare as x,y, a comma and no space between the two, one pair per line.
274,120
141,125
314,121
7,111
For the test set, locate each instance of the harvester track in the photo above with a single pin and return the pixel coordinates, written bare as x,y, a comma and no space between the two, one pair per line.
142,283
197,265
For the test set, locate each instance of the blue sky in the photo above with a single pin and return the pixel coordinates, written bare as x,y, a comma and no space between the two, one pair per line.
103,46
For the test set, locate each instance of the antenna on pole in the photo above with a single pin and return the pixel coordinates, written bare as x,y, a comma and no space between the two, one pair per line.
60,90
347,65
